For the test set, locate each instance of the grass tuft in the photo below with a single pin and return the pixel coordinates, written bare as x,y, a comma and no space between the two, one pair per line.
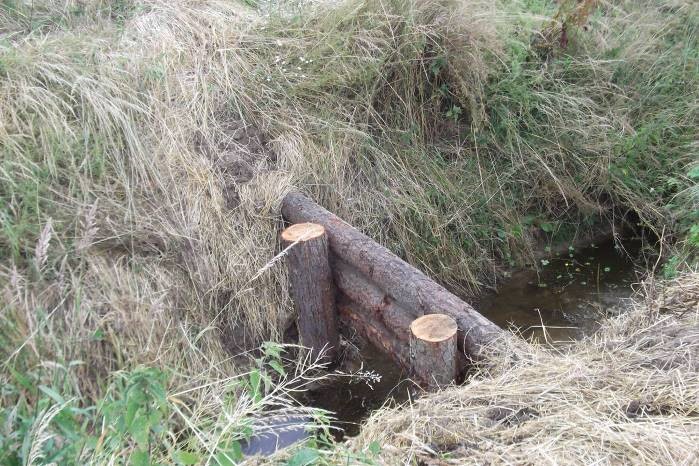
145,146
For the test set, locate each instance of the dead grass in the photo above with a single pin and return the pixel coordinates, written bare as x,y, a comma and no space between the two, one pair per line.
630,393
145,146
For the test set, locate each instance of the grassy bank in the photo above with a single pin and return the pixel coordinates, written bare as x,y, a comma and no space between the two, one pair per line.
146,145
628,394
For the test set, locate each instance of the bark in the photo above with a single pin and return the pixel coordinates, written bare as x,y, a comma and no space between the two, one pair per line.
433,352
410,287
312,287
358,318
381,306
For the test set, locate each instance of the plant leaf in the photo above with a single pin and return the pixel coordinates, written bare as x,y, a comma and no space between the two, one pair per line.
304,457
185,457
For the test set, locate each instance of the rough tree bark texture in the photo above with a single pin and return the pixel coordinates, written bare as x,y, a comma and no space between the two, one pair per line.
410,287
312,287
433,350
382,306
358,318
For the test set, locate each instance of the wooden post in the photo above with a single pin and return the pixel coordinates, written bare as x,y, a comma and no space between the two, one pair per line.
312,287
433,349
411,288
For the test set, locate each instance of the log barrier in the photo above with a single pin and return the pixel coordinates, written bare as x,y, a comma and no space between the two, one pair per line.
371,290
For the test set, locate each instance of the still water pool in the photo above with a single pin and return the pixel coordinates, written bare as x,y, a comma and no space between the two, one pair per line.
567,294
561,300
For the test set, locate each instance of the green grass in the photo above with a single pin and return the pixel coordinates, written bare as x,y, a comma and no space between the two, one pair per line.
456,133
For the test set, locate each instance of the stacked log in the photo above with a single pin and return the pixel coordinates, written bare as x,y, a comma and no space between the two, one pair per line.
389,292
359,319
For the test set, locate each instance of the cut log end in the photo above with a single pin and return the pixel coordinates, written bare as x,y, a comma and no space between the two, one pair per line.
433,353
303,232
434,328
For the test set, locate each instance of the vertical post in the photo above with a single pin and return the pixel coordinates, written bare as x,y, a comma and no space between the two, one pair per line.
433,350
312,287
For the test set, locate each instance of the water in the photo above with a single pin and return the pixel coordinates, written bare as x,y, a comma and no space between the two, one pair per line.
353,399
567,295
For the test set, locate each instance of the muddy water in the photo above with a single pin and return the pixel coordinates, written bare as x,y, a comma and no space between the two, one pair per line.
562,299
568,294
353,399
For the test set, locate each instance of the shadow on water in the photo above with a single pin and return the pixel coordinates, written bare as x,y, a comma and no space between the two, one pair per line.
568,294
377,381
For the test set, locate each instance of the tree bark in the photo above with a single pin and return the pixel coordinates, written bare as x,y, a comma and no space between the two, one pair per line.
356,317
312,287
433,352
380,305
412,288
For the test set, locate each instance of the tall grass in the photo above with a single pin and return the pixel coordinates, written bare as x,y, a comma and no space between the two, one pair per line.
146,145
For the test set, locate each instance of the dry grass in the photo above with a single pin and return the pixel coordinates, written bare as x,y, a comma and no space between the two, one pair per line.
145,146
628,394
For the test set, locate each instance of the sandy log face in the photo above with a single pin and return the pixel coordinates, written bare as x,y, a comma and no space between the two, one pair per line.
312,287
433,352
409,286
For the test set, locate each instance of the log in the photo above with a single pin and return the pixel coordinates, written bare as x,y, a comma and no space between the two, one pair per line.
312,287
433,350
356,317
392,334
382,306
412,288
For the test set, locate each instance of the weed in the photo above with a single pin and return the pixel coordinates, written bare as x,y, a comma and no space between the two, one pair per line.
157,139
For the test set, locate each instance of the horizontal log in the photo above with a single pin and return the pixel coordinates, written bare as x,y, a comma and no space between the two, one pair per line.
381,305
360,319
412,288
377,304
395,343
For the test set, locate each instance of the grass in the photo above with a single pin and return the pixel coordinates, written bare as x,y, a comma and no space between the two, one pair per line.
145,146
627,394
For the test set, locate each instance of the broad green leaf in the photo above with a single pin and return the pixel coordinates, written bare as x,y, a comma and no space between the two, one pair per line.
23,380
516,231
547,227
185,457
272,349
375,447
304,457
255,390
276,365
528,220
51,393
140,431
229,454
140,458
131,409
